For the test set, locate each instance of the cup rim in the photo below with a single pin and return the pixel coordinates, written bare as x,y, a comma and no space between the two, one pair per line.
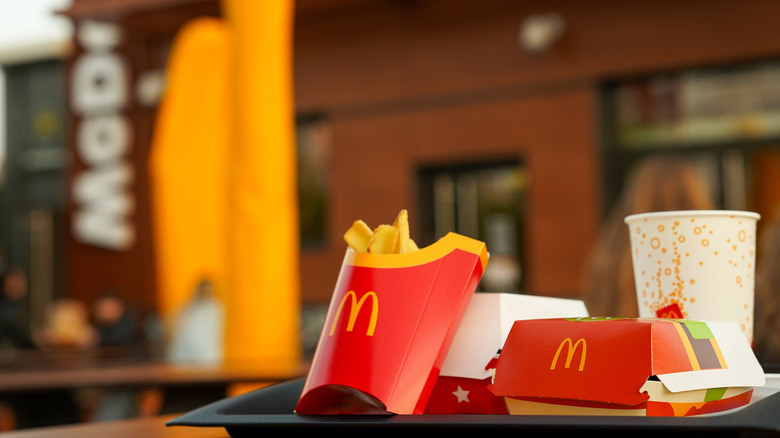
661,214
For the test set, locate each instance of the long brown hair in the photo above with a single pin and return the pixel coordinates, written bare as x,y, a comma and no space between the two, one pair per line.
658,183
766,321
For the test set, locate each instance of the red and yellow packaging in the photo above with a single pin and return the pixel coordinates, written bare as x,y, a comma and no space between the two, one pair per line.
467,372
391,320
625,366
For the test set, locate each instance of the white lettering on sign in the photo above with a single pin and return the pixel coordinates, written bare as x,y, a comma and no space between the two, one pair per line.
98,221
101,192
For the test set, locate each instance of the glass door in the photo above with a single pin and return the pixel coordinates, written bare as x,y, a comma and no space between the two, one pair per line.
485,201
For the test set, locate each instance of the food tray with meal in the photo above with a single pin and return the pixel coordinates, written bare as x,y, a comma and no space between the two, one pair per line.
271,408
408,344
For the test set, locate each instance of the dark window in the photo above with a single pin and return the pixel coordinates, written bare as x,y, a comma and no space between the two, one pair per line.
485,201
726,119
314,148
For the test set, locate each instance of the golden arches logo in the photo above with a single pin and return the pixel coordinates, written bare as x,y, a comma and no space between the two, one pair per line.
354,310
571,349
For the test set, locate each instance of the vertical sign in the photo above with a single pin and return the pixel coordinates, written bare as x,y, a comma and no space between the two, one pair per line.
101,191
224,181
264,298
187,166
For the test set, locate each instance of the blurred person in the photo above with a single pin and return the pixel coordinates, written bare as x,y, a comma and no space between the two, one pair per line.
766,330
197,336
12,311
67,326
114,321
658,183
153,334
115,326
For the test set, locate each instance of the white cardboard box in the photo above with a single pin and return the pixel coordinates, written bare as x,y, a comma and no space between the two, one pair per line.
486,324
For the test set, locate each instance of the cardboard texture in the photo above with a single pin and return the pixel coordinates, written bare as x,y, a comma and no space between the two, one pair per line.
391,321
462,386
625,366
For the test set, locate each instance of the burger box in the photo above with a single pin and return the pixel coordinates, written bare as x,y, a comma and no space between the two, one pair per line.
462,386
389,325
625,366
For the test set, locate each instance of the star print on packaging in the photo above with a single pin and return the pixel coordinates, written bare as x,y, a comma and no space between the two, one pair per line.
462,386
457,395
461,394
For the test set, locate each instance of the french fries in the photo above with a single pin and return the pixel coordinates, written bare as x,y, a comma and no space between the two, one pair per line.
384,239
358,235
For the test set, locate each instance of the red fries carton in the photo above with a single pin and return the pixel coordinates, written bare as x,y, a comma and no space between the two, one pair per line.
390,323
629,366
462,386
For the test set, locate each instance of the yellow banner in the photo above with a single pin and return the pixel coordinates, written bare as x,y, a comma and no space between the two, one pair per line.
224,178
187,166
263,307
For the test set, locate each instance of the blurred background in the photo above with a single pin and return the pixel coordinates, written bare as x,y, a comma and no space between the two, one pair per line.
516,123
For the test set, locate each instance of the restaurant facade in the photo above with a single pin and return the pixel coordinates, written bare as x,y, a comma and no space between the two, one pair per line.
512,122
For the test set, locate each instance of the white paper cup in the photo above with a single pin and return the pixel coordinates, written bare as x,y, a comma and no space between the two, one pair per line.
696,264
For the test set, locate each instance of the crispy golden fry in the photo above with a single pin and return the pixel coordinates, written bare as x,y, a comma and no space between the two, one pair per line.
358,235
384,239
404,243
401,225
409,246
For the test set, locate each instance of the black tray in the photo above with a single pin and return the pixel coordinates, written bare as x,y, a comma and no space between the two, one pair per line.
270,409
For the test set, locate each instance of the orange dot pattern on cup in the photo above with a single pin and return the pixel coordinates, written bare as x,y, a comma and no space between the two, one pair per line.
683,260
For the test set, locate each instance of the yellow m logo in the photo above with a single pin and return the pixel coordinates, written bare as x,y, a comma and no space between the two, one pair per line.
355,310
571,349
